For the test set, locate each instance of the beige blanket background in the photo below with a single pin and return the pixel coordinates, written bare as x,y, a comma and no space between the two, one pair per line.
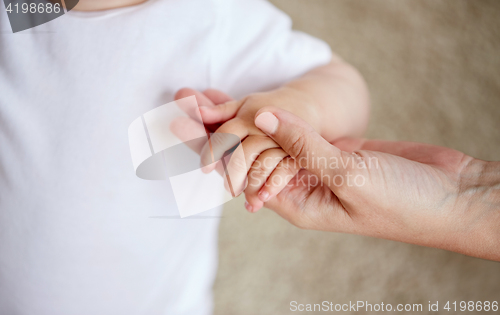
433,68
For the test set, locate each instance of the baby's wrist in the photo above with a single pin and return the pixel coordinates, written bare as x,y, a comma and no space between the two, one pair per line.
301,104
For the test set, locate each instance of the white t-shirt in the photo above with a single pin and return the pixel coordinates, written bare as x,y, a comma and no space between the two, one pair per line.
76,229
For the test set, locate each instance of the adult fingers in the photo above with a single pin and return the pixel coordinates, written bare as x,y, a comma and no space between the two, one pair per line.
309,206
280,177
311,151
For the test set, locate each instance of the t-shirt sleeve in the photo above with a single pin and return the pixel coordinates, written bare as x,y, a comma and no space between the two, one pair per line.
255,48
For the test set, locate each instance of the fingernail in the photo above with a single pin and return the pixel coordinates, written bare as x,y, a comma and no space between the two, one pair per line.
207,169
248,206
267,122
264,196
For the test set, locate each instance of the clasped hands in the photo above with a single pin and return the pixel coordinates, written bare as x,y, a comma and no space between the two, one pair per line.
409,192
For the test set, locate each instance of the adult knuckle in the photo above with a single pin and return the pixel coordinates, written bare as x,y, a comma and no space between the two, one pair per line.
297,146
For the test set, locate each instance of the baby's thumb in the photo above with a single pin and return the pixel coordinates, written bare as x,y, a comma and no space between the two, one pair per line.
299,140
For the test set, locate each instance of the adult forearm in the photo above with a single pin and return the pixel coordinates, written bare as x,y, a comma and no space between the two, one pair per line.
467,221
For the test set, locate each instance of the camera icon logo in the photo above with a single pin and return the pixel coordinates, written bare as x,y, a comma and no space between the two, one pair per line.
26,14
161,153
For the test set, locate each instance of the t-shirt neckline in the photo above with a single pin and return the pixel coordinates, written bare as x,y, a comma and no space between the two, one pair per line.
109,12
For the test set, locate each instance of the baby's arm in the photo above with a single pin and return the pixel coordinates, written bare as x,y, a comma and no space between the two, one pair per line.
338,97
333,98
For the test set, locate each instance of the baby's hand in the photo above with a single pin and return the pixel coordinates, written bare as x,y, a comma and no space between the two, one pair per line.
263,160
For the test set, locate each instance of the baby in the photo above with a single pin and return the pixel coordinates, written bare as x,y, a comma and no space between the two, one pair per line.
77,235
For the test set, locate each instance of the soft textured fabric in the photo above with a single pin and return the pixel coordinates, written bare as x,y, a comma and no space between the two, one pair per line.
77,227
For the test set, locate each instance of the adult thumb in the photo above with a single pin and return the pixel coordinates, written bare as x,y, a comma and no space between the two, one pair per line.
299,140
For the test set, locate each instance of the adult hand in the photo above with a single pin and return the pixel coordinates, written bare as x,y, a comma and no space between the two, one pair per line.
409,192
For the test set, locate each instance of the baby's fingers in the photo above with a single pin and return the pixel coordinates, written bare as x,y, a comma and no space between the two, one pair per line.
189,131
216,96
258,174
280,177
225,137
220,113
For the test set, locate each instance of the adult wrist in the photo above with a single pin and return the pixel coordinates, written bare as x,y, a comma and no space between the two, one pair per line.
479,195
479,182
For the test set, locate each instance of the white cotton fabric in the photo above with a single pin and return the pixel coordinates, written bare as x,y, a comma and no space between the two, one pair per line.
77,233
